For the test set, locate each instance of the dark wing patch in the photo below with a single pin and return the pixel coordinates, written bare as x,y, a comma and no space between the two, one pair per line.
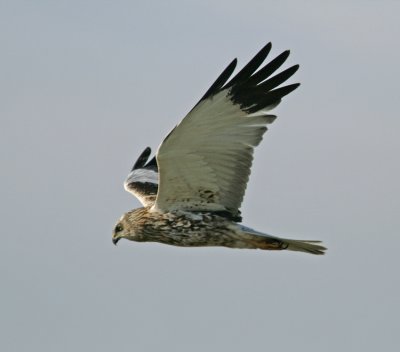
142,159
142,181
253,88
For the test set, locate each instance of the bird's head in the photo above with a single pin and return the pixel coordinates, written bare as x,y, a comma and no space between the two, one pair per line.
120,230
128,226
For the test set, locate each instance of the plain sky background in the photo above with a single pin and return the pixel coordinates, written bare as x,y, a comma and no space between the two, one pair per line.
85,86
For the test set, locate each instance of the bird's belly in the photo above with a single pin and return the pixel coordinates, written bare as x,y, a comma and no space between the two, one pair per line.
186,237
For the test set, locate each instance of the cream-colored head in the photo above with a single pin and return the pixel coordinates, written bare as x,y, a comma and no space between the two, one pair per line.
121,229
128,226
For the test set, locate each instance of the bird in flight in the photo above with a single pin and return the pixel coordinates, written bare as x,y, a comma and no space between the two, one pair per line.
192,189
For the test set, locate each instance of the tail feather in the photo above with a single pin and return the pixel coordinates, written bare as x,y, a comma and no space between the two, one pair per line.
261,240
304,246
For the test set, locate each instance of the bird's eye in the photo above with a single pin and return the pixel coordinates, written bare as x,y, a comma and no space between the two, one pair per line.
118,228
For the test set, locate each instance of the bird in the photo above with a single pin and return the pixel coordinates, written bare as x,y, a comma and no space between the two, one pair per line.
193,187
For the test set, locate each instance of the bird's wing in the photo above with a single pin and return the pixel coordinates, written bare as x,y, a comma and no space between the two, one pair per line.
142,181
204,162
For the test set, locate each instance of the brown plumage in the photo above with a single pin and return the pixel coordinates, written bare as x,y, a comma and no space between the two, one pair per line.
193,188
186,229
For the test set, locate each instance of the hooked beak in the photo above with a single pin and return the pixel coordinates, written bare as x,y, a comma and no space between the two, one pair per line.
115,240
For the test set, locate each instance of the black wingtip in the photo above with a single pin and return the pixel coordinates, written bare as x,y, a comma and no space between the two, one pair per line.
141,161
248,70
254,87
279,78
221,80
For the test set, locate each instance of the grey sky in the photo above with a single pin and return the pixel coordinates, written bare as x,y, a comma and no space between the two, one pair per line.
86,85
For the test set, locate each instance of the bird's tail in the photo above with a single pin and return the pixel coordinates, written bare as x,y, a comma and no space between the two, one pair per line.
312,247
263,241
